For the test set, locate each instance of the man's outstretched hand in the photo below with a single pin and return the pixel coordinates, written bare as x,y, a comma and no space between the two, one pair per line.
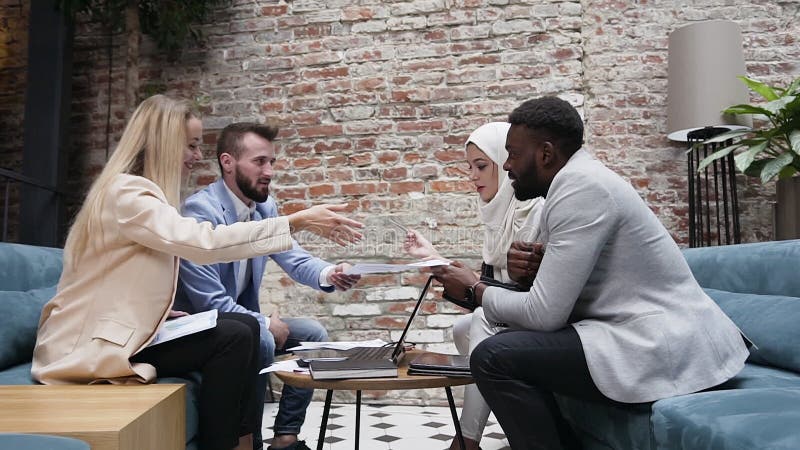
338,279
455,278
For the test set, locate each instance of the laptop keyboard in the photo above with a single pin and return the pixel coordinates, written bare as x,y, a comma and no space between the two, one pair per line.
371,353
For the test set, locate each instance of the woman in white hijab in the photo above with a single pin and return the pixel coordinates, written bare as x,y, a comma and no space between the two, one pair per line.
505,220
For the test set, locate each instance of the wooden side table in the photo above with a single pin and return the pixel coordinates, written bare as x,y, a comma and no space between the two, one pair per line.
403,381
107,417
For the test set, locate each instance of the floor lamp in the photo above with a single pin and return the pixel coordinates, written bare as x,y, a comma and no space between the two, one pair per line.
704,60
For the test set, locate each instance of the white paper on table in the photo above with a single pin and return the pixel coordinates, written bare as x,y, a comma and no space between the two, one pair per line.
366,268
338,345
289,365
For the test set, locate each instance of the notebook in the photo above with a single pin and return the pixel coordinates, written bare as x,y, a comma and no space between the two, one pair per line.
440,364
368,362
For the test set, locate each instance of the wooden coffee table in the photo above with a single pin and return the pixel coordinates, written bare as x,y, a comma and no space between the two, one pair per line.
107,417
403,381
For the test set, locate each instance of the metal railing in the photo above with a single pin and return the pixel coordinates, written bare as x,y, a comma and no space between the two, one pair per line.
10,176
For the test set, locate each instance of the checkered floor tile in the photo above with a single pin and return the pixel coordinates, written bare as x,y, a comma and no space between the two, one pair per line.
385,427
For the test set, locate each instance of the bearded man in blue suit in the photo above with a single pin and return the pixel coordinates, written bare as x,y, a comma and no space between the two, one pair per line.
246,154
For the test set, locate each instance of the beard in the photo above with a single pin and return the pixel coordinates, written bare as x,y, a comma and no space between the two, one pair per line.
526,185
525,191
250,190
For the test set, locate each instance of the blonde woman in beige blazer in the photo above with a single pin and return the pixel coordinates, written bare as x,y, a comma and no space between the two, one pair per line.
120,273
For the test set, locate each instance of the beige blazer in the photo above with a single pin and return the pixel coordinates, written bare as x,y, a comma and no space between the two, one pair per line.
109,306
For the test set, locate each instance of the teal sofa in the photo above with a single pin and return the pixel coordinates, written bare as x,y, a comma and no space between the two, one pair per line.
758,286
28,278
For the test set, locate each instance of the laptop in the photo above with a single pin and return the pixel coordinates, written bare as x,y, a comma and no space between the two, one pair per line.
368,362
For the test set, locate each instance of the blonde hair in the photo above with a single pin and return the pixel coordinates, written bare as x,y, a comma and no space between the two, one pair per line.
151,146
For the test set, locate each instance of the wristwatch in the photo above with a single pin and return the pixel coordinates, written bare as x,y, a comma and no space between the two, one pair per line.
470,292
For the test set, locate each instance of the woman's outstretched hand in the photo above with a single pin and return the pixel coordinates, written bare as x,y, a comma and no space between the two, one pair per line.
417,246
325,221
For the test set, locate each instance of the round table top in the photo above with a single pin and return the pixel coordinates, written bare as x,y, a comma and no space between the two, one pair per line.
403,380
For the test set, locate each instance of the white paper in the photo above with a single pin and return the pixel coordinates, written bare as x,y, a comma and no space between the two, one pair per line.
365,268
338,345
185,325
289,365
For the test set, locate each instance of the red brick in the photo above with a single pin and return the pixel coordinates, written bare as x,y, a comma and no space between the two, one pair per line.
277,10
362,188
404,187
450,155
412,158
292,193
397,173
321,190
327,72
304,163
451,186
357,13
332,145
361,159
421,126
388,157
321,130
287,208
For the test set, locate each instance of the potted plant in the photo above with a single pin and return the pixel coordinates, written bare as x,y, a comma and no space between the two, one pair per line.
770,150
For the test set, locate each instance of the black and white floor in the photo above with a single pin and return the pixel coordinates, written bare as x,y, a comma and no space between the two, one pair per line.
385,427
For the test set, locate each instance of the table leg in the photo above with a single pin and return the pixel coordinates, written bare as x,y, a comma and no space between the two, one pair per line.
455,418
324,423
358,416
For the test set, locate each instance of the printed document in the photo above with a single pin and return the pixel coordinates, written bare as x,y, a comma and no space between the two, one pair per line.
366,268
185,325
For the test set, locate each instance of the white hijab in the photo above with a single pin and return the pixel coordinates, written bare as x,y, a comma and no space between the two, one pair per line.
505,218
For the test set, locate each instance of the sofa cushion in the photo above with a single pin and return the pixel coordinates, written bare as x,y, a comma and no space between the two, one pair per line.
192,404
770,321
19,320
755,376
761,268
734,419
607,425
25,267
17,375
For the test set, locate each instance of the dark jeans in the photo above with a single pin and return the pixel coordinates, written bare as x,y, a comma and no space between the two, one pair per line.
228,357
517,373
294,401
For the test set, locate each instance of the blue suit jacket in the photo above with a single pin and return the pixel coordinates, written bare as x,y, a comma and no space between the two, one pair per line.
213,286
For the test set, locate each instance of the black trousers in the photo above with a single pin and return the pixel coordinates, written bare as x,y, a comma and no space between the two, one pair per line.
228,357
517,373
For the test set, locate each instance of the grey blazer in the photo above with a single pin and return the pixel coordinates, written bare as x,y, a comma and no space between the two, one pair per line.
612,271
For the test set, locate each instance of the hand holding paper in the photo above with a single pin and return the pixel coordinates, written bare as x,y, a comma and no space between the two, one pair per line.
365,268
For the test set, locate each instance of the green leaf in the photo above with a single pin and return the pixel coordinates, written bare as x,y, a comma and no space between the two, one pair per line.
717,155
743,160
755,168
762,89
747,109
793,88
794,141
787,172
772,168
776,106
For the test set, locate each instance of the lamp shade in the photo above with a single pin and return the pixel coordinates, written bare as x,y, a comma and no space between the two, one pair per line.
704,60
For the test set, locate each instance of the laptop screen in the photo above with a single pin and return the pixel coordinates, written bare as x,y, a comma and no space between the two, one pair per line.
398,348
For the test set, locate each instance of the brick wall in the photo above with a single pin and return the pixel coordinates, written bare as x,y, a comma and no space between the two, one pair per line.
375,101
13,62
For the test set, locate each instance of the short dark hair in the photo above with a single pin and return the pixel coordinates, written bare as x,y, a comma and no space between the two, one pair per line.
230,140
555,118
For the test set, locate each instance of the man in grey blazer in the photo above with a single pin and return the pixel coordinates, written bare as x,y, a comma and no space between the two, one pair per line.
614,313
